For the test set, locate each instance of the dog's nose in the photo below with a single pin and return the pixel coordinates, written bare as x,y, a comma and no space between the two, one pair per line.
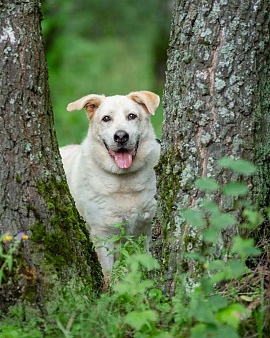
121,137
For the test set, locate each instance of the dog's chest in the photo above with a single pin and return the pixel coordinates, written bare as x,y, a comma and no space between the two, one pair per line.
131,197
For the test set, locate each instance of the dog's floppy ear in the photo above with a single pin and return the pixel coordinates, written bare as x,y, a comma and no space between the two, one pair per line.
90,102
148,100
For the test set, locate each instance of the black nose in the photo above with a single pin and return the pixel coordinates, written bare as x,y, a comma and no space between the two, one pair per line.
121,137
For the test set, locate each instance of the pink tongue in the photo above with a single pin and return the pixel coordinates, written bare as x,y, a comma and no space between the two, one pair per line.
123,160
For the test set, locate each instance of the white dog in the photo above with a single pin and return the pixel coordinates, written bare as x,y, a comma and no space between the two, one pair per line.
110,175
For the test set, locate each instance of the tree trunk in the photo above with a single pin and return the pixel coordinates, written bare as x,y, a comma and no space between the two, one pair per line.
34,196
216,104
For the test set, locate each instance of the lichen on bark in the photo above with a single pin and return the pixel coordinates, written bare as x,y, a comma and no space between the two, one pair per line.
34,196
216,103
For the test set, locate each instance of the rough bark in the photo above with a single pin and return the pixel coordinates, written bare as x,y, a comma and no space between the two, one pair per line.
216,104
34,196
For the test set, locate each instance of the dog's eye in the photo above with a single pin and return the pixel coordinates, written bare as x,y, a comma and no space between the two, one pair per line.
132,116
106,118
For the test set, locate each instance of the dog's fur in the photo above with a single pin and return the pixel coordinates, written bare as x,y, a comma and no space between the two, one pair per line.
110,180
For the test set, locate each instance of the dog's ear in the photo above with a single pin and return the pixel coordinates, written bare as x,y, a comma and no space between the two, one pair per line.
148,100
90,103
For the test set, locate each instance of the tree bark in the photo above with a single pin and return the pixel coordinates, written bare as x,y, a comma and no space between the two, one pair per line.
216,103
34,196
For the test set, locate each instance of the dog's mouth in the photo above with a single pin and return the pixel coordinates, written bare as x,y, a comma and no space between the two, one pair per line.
123,157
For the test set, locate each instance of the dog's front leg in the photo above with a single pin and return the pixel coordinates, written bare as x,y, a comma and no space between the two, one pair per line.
106,259
147,240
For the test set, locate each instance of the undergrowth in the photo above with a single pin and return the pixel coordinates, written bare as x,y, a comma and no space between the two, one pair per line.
230,300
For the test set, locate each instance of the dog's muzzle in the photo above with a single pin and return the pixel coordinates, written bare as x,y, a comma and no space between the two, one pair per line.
123,157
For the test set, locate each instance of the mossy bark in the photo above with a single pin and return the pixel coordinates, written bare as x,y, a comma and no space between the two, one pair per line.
34,196
216,103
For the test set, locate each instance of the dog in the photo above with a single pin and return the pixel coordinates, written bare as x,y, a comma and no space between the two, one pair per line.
111,175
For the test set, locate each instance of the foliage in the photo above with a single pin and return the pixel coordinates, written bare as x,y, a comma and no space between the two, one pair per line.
102,47
134,306
10,245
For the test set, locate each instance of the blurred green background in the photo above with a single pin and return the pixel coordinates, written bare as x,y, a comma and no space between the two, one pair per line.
103,47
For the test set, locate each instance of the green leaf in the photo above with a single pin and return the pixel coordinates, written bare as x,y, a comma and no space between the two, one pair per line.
118,225
226,162
217,331
122,288
217,302
114,238
218,277
138,319
245,247
235,189
232,315
10,263
194,217
180,310
255,218
231,269
164,307
217,264
235,268
242,167
125,253
155,293
133,285
1,276
207,184
144,286
222,221
146,261
210,235
199,331
201,310
196,256
210,206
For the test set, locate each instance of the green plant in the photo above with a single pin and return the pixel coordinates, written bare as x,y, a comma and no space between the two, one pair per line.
9,244
210,221
259,315
134,305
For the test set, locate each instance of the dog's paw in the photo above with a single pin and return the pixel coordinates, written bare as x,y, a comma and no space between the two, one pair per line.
107,281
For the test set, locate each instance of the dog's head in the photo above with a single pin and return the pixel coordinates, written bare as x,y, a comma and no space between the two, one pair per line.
119,124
